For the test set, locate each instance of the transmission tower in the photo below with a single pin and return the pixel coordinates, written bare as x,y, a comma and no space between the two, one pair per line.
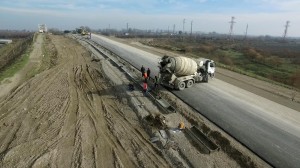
191,27
183,22
173,28
232,22
246,33
286,29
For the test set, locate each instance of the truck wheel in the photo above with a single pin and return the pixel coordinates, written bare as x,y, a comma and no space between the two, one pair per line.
181,85
205,78
189,83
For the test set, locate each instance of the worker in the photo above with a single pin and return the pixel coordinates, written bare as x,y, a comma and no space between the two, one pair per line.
155,82
142,70
145,75
146,80
145,86
181,125
130,86
148,72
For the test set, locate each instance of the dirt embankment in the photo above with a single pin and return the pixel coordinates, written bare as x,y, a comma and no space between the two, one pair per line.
68,116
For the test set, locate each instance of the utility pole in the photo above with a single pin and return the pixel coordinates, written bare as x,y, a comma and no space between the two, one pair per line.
232,22
183,25
246,32
191,27
285,30
173,28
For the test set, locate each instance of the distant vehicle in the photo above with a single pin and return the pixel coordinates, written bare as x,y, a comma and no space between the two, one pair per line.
5,41
42,28
82,31
182,72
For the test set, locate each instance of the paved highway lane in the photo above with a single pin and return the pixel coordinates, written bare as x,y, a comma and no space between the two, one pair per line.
133,55
265,127
269,129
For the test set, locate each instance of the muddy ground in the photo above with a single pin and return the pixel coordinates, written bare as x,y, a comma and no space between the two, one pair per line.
74,112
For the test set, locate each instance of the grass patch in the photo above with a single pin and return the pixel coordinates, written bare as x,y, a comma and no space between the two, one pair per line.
50,57
274,62
16,66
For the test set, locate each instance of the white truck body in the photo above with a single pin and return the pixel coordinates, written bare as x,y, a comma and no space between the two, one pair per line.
183,72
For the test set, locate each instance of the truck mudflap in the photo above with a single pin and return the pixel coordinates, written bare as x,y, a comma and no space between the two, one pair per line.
205,78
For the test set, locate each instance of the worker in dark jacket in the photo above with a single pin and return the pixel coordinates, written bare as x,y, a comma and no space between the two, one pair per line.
143,70
148,73
155,82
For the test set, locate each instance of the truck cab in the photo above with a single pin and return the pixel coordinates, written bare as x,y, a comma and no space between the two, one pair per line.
211,66
206,68
183,72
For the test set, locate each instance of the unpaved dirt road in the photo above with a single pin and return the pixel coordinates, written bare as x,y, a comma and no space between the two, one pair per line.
68,116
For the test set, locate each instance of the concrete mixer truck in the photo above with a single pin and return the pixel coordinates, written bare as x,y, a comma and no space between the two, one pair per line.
182,72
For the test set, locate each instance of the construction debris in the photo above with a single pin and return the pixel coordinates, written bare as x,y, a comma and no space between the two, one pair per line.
157,121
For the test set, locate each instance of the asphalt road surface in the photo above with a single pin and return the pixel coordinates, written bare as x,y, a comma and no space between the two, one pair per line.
269,129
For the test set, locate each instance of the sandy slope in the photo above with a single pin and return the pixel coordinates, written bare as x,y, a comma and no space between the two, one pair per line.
68,116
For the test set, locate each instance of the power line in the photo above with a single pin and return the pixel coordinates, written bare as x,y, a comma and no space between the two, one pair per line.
286,29
191,27
173,28
232,22
183,22
246,33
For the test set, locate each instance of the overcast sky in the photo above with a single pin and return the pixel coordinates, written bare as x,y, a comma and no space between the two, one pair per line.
264,17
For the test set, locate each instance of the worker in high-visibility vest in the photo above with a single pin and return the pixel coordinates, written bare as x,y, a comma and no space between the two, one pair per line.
145,75
145,86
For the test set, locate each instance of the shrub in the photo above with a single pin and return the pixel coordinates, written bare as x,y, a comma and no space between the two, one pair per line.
206,48
295,79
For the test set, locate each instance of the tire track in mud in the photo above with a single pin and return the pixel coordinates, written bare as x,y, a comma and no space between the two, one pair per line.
94,120
29,135
138,145
108,114
81,83
25,95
